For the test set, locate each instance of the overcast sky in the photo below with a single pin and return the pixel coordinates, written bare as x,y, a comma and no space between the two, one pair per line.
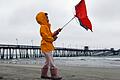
17,21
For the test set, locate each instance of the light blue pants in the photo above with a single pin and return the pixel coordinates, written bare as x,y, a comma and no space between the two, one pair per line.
49,60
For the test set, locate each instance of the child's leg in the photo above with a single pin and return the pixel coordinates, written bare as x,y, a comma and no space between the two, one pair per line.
54,71
45,68
47,62
51,60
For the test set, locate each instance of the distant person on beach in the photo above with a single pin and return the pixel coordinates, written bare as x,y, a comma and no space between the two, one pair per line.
47,46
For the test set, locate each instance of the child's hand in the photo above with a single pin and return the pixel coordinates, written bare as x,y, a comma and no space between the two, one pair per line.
55,37
57,32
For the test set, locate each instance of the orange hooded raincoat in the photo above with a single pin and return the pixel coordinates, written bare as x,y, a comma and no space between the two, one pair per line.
45,32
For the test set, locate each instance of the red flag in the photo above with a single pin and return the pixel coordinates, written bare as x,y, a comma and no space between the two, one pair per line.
81,14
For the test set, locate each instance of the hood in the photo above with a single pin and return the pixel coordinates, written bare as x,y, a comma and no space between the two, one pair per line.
41,18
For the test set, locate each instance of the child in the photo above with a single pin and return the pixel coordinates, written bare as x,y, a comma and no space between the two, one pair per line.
47,46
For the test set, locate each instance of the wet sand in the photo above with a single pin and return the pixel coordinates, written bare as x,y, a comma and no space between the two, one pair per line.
32,72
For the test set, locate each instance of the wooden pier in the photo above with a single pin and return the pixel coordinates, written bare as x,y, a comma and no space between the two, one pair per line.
26,51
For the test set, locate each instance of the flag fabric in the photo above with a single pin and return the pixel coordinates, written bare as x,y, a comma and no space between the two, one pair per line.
81,14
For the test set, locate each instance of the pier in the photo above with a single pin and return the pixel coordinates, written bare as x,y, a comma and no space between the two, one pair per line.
26,51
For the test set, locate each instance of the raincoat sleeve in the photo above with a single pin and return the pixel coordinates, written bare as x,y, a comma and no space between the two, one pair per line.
45,33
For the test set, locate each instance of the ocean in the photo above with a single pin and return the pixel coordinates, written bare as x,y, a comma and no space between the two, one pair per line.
108,62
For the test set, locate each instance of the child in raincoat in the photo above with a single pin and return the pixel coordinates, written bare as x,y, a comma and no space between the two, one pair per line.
47,46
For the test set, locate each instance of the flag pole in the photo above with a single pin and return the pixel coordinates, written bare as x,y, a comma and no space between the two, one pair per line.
68,22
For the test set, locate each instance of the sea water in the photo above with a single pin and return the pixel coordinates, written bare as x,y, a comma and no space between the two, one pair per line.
112,61
90,61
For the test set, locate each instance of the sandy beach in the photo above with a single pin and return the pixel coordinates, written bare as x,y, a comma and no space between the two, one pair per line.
13,71
32,72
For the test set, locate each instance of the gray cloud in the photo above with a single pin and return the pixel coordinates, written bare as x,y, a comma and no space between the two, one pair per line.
108,10
17,20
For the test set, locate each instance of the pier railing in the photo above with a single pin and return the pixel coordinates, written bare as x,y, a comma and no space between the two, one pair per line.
27,51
